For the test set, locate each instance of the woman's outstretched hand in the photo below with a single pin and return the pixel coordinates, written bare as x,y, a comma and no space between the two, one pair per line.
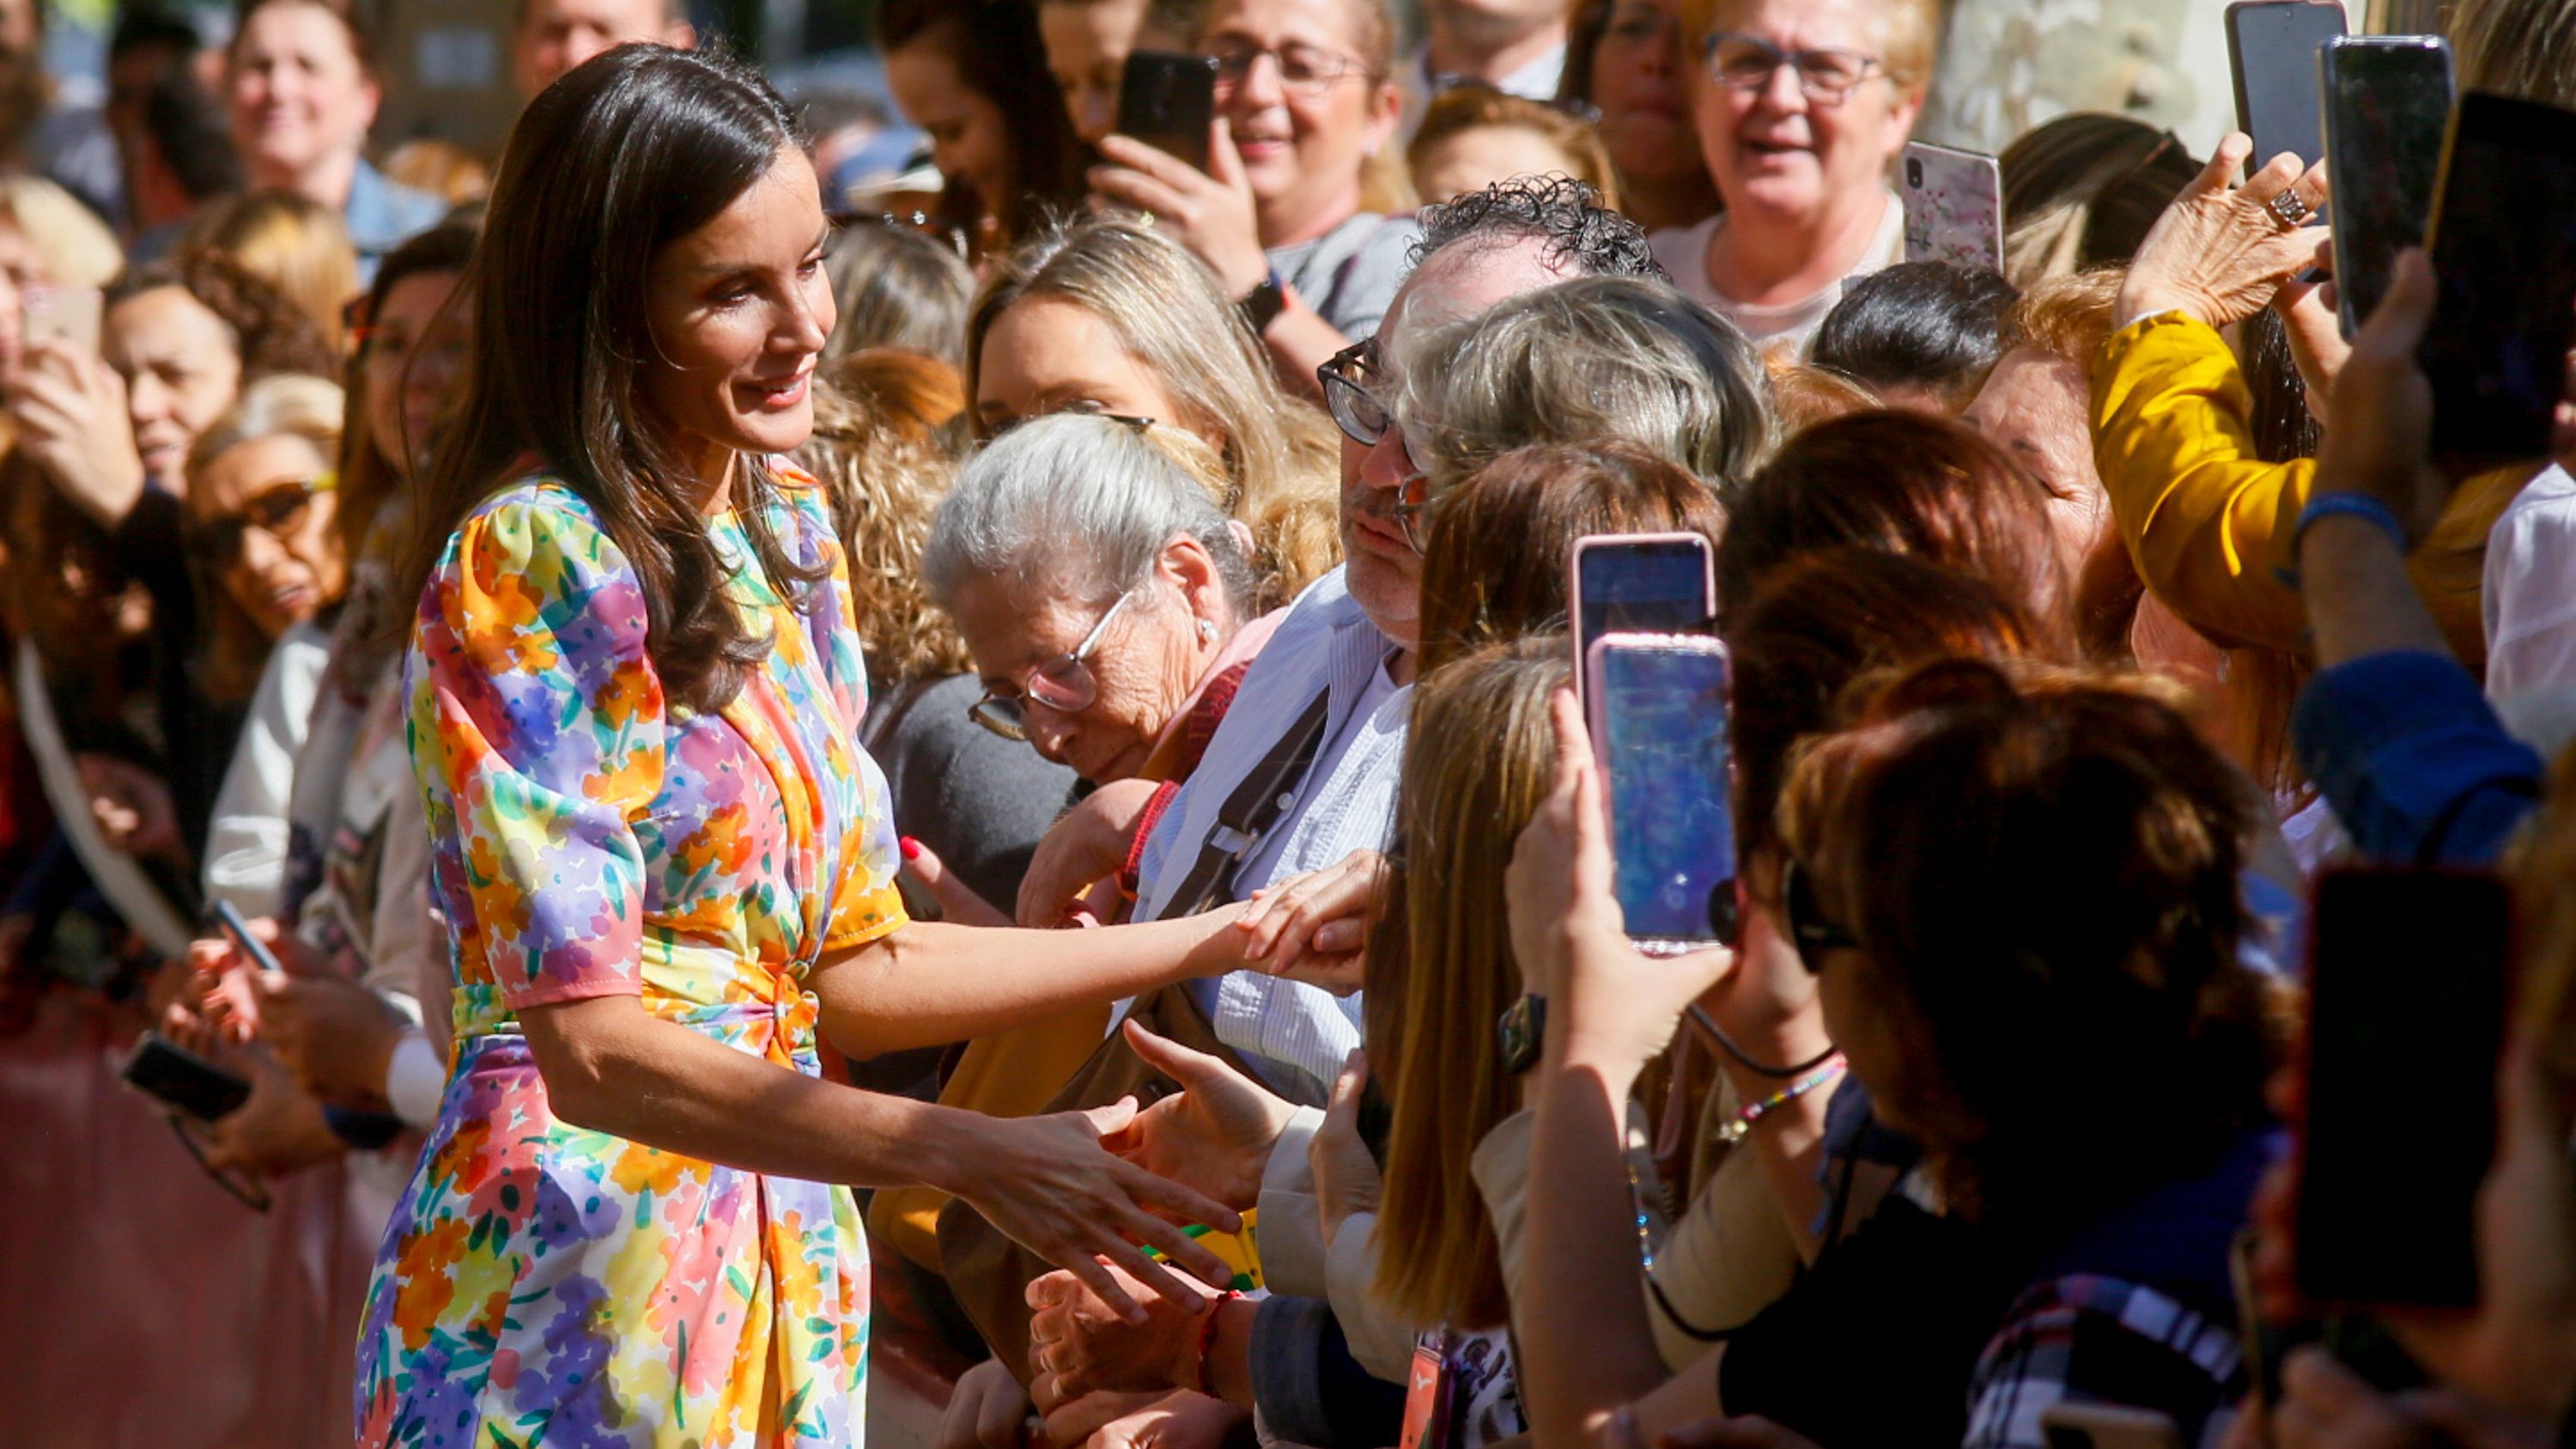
2219,252
1314,927
1051,1184
1214,1135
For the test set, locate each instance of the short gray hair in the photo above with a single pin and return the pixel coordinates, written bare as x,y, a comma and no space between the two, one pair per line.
1079,504
1582,361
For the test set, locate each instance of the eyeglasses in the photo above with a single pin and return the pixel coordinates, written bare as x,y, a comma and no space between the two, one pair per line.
277,512
1304,72
1747,63
1063,684
1085,409
1805,921
1365,420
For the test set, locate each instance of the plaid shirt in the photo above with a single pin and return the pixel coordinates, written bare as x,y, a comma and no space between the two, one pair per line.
2087,1339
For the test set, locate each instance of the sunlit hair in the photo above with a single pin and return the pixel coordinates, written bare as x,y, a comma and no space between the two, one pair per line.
2066,317
232,647
297,244
1078,507
629,152
1461,109
2524,48
442,168
1282,458
1480,757
896,287
883,447
1929,326
2081,191
1494,567
1803,396
1903,483
73,246
1830,617
2099,1032
1909,34
1595,358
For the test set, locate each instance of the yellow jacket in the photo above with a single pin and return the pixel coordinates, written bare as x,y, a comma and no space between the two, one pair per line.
2208,523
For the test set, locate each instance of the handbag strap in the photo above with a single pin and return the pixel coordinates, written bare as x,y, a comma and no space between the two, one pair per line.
1249,813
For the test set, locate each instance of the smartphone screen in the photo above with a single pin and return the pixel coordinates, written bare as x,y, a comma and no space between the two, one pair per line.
1648,583
1168,101
1658,706
2387,102
2503,240
2272,50
2406,982
1954,208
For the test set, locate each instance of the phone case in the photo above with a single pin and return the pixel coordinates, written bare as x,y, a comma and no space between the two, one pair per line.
2386,101
1591,543
1702,925
171,1074
2283,114
1953,207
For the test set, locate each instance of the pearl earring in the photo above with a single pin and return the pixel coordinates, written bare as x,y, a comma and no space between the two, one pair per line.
1207,632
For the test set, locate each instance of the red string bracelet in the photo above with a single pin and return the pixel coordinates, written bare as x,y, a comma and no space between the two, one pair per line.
1207,1339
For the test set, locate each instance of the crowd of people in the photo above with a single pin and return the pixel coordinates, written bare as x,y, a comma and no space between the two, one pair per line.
691,755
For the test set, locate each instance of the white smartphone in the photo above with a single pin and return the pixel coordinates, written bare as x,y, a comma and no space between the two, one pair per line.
1954,207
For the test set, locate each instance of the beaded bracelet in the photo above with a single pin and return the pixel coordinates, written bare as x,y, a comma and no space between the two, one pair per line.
1734,1132
1207,1339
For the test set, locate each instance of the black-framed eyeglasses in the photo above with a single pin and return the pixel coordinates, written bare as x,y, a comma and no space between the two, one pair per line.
277,510
1747,63
238,1183
1064,684
1804,919
1355,410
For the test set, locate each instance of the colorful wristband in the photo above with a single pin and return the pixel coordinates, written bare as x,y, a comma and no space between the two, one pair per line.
2350,505
1734,1132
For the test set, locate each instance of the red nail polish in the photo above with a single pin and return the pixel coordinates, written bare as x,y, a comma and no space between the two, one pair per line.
911,848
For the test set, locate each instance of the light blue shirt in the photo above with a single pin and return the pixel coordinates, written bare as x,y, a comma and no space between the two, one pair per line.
1299,1034
382,215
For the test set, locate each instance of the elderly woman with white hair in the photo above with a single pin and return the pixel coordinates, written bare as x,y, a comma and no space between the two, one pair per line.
1111,606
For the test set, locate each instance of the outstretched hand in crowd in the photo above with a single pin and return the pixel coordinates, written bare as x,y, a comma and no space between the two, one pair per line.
2220,252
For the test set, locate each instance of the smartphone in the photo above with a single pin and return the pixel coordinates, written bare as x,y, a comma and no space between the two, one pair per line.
173,1075
2068,1425
1645,583
2406,982
1657,704
2503,240
2387,101
1168,101
1954,208
63,314
2272,50
229,918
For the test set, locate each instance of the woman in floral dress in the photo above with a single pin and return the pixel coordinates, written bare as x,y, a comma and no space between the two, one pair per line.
635,694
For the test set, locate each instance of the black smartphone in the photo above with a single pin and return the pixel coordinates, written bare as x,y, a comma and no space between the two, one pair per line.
2503,240
2387,102
172,1074
1168,101
1658,714
2272,50
1647,583
2406,983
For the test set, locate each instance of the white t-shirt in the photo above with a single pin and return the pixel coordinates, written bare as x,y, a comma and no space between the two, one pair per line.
2529,590
1684,252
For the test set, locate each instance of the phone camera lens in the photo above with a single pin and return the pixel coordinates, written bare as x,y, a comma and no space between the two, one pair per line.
1913,171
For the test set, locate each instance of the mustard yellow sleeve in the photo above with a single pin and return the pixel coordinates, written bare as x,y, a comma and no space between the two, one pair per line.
2203,517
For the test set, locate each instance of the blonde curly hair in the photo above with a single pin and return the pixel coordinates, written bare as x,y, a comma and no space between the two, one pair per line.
885,448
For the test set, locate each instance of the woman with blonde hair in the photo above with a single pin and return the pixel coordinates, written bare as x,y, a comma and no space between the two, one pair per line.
75,247
1111,315
291,241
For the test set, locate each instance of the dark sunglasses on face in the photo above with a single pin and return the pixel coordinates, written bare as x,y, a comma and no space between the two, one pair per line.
1808,928
276,511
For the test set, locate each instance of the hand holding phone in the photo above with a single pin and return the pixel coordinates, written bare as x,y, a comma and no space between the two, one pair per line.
1657,706
1168,101
177,1077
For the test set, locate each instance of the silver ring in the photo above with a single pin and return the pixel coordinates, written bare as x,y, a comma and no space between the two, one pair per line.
2290,209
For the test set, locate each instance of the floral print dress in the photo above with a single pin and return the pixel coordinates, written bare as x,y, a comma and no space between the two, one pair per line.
540,1283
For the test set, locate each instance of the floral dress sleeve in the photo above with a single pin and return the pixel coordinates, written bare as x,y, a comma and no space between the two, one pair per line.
548,729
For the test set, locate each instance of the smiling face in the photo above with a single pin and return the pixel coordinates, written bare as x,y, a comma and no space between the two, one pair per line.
275,556
738,311
180,372
1302,144
1776,152
970,139
1086,51
299,98
1638,83
1045,355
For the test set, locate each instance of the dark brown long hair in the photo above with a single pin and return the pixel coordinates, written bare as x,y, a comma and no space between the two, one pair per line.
999,55
630,151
